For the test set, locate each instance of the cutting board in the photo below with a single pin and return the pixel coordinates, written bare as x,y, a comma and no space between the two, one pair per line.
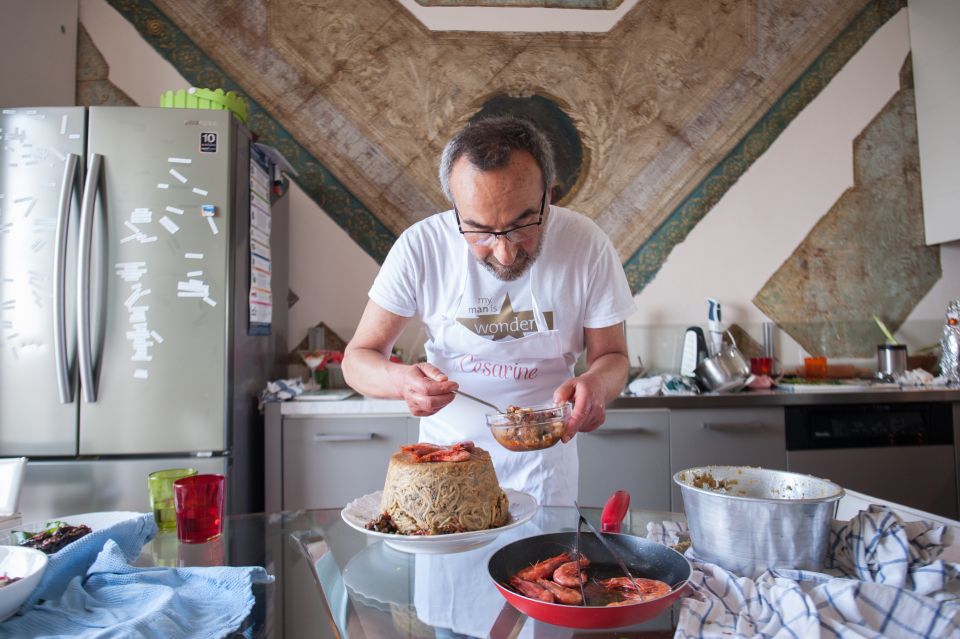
841,386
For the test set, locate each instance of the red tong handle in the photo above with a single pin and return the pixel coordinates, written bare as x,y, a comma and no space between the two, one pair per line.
614,511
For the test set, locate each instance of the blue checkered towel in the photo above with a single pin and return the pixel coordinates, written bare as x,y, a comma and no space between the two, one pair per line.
883,579
279,390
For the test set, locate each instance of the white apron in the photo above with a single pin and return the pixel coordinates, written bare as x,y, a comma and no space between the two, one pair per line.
522,372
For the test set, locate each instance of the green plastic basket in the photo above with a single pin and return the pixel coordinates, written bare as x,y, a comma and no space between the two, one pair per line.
215,99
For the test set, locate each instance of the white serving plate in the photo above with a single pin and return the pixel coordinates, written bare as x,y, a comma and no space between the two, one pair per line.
357,513
372,575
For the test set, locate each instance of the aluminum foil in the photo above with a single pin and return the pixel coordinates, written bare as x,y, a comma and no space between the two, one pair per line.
950,344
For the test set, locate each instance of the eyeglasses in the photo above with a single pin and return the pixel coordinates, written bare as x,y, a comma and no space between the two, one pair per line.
515,235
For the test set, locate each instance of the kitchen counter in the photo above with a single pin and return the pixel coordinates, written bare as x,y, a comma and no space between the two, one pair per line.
774,397
746,399
351,406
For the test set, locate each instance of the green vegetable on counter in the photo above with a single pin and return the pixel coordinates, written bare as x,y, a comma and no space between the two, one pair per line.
20,536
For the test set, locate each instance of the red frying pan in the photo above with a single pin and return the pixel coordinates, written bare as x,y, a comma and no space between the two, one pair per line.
644,558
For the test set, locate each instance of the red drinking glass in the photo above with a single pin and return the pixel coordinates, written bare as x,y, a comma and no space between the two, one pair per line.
198,502
761,365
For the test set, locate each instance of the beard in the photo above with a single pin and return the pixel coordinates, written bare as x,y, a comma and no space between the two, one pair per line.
512,272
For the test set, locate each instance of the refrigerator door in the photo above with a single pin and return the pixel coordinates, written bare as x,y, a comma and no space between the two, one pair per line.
41,153
157,282
54,489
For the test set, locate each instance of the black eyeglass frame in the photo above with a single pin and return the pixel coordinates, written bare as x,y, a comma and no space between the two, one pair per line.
505,234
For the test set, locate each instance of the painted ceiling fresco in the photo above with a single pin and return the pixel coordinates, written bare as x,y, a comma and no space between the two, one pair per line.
558,4
669,108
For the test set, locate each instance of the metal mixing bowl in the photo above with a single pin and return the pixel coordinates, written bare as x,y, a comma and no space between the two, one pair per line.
749,519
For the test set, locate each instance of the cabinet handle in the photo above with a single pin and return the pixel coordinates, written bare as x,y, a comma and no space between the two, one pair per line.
640,430
733,426
358,437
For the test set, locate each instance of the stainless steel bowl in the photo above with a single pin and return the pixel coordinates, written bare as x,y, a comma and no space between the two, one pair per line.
749,519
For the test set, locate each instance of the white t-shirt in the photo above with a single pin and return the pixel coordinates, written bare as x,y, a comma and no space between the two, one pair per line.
579,281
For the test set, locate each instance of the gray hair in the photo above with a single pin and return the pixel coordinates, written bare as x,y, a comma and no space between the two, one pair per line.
488,144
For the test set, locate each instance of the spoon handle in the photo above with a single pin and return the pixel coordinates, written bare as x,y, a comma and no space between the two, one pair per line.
477,399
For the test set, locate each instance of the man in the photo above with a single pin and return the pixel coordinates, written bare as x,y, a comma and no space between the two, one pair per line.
511,290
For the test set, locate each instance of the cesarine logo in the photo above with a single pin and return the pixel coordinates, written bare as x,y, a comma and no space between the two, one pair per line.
477,366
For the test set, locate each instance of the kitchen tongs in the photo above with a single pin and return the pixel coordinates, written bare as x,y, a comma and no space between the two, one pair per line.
607,545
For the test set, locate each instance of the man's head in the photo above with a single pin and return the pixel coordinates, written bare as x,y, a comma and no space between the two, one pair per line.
497,173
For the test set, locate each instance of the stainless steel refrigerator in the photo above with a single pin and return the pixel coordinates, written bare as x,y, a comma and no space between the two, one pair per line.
134,243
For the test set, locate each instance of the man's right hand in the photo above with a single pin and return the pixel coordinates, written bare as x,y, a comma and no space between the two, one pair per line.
367,369
426,389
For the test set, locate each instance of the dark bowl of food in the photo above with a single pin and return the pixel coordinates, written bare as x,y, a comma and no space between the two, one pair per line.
530,428
50,537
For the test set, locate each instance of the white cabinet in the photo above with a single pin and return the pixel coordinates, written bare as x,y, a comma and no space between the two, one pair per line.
631,452
729,436
328,461
935,49
38,53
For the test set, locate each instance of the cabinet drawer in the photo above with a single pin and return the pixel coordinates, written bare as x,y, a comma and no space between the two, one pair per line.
737,437
330,461
629,452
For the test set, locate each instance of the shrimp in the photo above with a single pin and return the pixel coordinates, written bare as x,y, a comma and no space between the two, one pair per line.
426,452
542,569
567,574
447,455
532,590
638,589
563,594
420,449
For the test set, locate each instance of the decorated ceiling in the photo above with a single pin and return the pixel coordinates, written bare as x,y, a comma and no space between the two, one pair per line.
561,4
657,117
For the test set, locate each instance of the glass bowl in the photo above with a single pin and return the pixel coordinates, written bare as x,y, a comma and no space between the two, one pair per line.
530,428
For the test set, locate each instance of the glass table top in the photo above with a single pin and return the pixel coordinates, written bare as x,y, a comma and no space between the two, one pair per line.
334,581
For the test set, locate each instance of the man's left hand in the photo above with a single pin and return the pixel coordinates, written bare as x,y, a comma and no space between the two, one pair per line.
588,397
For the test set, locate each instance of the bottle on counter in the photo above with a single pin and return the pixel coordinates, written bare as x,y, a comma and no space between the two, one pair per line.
715,325
950,344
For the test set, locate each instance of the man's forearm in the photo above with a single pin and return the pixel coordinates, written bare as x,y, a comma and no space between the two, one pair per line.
611,371
370,373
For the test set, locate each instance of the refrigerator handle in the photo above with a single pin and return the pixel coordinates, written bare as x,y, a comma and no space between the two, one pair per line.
67,187
84,257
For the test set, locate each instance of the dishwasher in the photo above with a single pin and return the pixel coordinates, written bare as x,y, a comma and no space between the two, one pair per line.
900,452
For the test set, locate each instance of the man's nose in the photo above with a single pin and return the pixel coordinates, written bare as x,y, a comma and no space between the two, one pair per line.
505,251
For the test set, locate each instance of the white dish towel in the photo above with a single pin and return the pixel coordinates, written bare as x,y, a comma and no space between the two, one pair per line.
884,578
